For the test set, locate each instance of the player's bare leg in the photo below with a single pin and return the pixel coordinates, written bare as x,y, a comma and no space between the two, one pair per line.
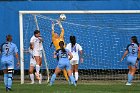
38,64
57,70
65,75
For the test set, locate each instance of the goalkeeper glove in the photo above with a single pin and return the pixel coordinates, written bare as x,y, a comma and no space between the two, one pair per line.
59,23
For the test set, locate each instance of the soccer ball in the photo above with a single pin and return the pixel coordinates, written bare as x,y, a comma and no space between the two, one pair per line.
62,17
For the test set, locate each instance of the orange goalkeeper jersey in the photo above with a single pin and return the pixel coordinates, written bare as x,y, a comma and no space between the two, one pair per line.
57,40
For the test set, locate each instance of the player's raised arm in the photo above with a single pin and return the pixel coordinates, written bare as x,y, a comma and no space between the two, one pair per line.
62,29
40,38
53,28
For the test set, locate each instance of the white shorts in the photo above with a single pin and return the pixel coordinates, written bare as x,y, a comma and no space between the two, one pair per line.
74,62
37,53
32,62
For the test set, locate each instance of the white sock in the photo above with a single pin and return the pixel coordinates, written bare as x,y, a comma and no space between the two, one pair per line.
37,68
40,81
32,77
72,74
76,76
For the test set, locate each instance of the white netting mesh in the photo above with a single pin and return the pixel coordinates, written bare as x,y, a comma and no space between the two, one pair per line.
103,37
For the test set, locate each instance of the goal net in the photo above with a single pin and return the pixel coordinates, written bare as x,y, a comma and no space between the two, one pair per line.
103,36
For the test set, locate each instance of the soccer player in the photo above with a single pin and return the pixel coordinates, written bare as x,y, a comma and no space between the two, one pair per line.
8,50
56,39
63,62
32,65
74,48
36,43
132,62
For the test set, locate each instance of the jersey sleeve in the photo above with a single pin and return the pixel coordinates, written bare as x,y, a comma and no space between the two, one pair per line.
127,47
31,40
57,52
79,47
67,46
67,50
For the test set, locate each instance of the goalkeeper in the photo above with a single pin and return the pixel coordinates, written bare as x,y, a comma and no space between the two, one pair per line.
56,39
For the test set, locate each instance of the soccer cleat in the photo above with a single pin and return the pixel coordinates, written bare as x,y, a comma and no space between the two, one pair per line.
37,76
128,84
69,82
32,82
72,83
8,89
50,84
75,84
40,81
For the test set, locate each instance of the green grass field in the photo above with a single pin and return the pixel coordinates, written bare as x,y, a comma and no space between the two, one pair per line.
94,87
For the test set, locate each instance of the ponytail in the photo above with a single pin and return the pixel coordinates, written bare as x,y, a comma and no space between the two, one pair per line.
61,44
73,40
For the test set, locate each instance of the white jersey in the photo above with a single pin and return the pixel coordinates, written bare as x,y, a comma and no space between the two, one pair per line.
74,50
36,43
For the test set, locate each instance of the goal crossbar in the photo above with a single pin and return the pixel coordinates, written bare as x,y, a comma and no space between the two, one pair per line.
82,12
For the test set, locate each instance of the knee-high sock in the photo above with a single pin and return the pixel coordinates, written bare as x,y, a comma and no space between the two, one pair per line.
72,79
10,80
37,68
130,78
52,79
72,74
6,80
32,77
40,81
76,76
65,74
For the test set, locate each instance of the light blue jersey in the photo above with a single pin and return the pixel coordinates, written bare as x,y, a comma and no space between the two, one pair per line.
63,61
133,49
132,54
8,52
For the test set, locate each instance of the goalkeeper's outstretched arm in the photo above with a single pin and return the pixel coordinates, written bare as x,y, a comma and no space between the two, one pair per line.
53,29
62,29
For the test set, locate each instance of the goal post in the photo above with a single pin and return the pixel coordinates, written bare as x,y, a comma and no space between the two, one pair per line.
21,48
103,34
